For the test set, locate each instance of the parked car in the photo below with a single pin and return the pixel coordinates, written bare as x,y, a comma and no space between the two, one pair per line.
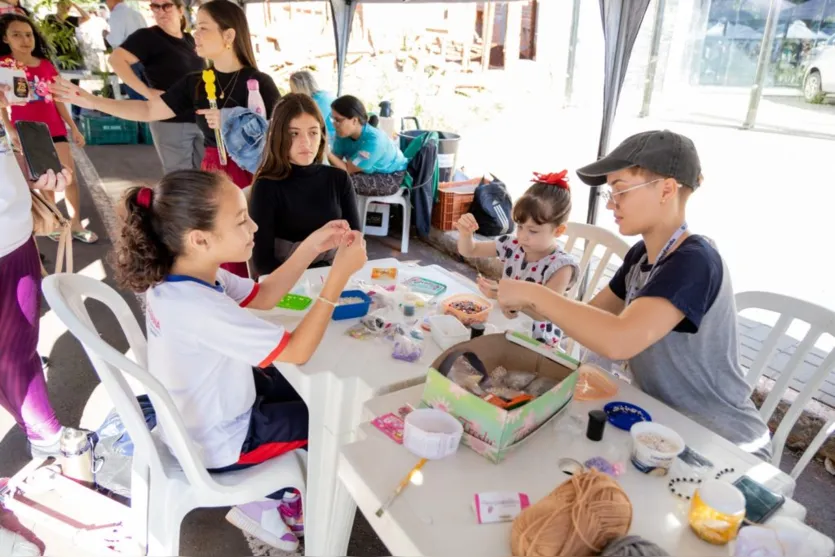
819,78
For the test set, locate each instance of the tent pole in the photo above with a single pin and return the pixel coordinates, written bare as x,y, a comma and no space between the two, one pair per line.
763,63
343,16
655,46
572,53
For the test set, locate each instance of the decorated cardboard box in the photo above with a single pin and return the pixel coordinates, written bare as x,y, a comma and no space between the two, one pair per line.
489,430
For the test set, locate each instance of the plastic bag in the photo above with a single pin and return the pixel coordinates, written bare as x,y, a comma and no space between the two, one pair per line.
518,380
406,349
465,375
540,386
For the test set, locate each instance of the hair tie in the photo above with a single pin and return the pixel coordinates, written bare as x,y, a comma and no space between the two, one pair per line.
552,179
145,197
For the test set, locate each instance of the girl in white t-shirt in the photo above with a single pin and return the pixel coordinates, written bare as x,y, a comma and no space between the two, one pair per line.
532,254
213,355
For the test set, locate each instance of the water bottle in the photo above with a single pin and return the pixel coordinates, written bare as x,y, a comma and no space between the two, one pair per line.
77,459
255,103
386,120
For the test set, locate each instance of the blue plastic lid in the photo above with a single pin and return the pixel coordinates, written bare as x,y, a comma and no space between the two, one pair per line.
624,415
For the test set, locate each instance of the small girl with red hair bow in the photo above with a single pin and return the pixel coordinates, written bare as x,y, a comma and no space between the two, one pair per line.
532,254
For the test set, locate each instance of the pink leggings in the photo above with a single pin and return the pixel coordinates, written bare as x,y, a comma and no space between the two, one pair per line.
22,384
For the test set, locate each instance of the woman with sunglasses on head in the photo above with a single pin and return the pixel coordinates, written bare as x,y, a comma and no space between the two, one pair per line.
222,37
167,53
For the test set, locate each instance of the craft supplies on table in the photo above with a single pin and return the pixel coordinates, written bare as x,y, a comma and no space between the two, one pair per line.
654,447
594,384
447,330
717,511
490,430
624,415
467,308
499,506
294,302
424,286
391,425
432,434
387,273
360,302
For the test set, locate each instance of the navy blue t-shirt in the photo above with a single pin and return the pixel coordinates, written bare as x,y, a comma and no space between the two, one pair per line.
689,278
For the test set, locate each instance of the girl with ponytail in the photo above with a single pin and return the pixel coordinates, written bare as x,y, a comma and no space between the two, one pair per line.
213,355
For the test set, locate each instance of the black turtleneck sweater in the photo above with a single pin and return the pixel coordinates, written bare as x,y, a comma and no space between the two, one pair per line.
293,208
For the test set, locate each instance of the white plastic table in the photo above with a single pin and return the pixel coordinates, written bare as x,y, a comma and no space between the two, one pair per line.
436,518
340,377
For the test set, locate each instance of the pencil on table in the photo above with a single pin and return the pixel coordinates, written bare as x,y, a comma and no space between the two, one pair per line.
401,486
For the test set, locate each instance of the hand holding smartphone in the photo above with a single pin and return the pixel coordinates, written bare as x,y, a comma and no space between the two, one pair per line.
38,148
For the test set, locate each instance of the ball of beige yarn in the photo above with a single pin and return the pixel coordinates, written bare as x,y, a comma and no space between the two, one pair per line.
579,517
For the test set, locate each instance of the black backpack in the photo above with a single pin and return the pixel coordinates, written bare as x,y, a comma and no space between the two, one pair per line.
492,208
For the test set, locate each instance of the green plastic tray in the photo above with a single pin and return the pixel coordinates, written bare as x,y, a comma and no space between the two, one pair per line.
294,302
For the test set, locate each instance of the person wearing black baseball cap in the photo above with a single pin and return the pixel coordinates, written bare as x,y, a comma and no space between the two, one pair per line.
668,315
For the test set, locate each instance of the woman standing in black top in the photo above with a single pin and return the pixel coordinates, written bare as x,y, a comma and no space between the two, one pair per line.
222,37
167,53
294,193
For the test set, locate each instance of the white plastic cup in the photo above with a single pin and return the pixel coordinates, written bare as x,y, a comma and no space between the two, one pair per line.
651,461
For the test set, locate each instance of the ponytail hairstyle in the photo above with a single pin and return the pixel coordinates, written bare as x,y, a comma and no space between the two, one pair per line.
156,222
350,107
547,201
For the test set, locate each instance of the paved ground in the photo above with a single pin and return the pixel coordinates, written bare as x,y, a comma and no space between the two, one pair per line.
72,380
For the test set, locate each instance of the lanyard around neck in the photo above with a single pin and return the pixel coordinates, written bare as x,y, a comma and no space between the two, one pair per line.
634,287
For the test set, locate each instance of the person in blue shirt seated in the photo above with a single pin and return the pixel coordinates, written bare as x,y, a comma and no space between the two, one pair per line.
375,163
303,82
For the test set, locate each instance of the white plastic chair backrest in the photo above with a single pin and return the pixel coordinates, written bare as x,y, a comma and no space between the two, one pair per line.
821,321
594,236
65,294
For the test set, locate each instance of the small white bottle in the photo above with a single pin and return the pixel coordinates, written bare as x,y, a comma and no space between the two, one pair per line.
255,102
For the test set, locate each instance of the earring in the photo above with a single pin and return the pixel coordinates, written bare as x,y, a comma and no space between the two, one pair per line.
228,47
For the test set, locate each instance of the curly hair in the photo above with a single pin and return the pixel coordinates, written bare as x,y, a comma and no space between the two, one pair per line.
153,233
543,204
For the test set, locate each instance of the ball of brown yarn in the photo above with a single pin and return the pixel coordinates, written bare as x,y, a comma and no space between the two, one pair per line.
579,517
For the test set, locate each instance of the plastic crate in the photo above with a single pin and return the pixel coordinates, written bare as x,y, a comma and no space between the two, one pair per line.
454,199
108,130
145,137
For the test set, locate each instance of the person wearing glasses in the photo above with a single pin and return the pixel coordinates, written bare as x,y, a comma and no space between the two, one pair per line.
376,165
167,53
668,313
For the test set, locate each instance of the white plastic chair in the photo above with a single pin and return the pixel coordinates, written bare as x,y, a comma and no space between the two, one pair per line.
592,237
163,489
401,198
821,321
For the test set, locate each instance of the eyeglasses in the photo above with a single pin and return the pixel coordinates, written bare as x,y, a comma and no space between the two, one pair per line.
608,194
336,120
161,7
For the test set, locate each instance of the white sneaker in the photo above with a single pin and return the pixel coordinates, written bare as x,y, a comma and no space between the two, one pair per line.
15,545
263,521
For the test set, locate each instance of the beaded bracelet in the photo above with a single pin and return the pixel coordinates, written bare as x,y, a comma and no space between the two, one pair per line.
723,472
674,481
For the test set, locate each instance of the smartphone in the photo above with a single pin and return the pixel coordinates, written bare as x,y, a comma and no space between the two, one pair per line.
38,148
760,502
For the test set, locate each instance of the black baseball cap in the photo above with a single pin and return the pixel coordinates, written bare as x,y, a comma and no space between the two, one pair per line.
660,151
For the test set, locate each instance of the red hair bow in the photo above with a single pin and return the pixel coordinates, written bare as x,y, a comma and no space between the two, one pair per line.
558,179
145,197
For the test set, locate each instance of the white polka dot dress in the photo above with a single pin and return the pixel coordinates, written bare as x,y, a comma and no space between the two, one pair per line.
516,267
